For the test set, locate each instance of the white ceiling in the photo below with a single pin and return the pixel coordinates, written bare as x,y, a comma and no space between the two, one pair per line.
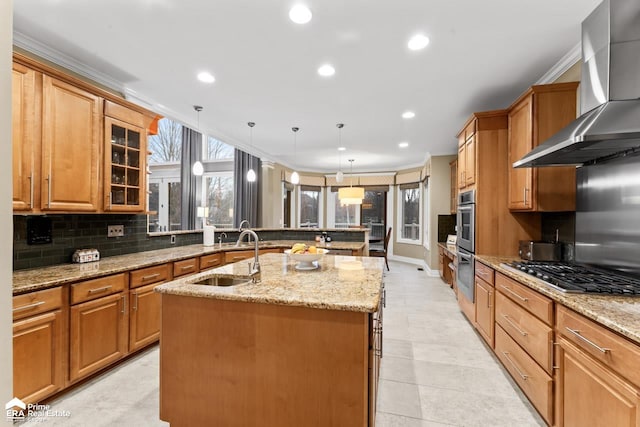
482,55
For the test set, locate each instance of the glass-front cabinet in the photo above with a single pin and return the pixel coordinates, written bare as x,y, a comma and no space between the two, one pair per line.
125,171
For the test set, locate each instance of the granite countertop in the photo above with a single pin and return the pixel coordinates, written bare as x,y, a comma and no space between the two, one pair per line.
47,277
340,283
621,314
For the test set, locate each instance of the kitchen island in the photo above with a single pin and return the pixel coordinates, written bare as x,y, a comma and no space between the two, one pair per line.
296,348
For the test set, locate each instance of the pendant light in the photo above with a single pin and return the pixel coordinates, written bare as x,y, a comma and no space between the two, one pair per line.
339,175
251,174
351,195
295,178
197,168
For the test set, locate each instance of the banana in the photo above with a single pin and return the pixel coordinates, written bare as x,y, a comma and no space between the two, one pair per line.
298,248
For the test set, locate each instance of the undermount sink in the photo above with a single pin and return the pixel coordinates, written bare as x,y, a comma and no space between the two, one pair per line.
225,281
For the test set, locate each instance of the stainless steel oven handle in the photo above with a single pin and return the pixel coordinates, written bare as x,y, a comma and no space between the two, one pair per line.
464,208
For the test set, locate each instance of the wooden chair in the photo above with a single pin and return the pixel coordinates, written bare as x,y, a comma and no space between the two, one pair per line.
382,252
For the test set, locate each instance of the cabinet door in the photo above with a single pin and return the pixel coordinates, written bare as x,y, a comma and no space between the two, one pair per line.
98,334
453,205
38,357
470,161
24,137
485,314
70,148
144,317
520,143
590,394
462,164
125,167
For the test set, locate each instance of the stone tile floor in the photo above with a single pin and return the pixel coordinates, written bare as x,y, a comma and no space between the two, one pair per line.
436,371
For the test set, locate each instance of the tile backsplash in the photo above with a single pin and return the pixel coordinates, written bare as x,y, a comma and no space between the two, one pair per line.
83,231
71,232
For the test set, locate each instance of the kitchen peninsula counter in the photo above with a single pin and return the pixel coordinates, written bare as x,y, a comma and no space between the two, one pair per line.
47,277
619,313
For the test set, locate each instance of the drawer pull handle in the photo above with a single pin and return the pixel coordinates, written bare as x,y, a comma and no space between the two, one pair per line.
238,258
124,304
588,341
150,276
523,376
521,298
213,261
514,326
27,307
97,290
187,267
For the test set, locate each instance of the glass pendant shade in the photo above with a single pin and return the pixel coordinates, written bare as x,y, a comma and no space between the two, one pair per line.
339,177
295,178
251,175
197,169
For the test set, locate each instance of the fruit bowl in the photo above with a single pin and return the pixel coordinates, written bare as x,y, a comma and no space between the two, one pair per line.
306,261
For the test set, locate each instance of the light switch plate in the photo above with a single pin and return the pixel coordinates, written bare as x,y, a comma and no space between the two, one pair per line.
115,230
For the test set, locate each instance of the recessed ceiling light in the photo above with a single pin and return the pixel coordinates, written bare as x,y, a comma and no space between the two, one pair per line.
408,115
417,42
342,148
403,145
205,77
300,14
326,70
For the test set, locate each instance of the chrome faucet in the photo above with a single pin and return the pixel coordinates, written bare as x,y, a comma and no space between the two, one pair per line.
223,234
242,222
255,269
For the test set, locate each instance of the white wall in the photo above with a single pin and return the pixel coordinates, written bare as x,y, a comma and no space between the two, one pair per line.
6,218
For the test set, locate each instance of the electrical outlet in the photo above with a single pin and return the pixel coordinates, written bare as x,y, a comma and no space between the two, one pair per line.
173,239
115,230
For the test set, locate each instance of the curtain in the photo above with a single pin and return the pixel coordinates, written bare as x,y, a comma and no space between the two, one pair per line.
248,195
191,152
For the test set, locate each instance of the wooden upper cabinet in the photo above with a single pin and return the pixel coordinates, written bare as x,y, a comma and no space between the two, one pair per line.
470,161
71,142
453,204
537,115
467,155
25,127
124,166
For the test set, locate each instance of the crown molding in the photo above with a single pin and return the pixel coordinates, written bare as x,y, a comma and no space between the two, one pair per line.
566,62
63,60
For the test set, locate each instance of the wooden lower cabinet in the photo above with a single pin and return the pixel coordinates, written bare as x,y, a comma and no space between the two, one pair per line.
485,297
39,353
144,317
98,334
536,384
590,394
232,363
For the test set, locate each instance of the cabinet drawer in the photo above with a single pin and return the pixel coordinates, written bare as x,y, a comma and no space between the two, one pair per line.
611,349
533,335
235,256
484,272
532,379
186,266
149,275
539,305
92,289
37,302
270,251
211,261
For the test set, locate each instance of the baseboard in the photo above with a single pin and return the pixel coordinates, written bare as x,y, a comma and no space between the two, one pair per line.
416,262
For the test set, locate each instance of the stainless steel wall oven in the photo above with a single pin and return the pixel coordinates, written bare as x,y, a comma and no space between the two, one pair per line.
466,243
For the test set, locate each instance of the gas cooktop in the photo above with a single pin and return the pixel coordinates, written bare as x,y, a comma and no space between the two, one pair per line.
579,278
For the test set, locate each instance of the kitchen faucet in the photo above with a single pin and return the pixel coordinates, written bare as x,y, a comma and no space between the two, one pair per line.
255,269
242,222
220,236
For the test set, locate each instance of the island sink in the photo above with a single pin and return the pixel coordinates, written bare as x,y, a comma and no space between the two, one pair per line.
225,281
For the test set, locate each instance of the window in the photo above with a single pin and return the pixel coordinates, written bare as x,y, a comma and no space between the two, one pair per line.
214,187
310,206
425,210
341,216
409,214
374,211
218,198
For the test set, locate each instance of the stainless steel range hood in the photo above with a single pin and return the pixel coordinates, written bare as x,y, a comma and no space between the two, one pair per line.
609,91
